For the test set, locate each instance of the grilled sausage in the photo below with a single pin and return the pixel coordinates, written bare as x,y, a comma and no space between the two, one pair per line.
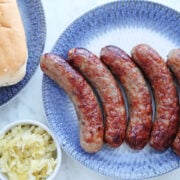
173,62
105,84
83,98
165,94
139,99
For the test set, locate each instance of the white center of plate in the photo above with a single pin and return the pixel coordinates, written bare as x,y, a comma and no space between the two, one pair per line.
127,38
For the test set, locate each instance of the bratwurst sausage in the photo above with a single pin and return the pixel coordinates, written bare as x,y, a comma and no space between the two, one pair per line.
105,84
165,94
83,98
173,62
139,99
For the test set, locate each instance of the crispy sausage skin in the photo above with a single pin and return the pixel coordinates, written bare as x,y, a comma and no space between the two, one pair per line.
139,99
83,98
165,94
173,62
105,84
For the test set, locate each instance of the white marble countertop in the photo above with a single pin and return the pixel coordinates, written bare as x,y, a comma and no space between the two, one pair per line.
59,14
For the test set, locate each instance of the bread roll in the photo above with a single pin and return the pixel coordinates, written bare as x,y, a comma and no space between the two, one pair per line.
13,48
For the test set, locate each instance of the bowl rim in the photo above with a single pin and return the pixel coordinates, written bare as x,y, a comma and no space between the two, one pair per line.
46,128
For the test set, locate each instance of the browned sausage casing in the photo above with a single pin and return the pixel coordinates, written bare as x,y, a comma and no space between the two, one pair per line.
173,62
81,94
105,84
139,99
166,99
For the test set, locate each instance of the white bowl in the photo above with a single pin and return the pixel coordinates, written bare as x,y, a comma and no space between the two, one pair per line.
41,125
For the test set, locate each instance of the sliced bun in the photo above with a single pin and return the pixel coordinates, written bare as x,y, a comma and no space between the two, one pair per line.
13,48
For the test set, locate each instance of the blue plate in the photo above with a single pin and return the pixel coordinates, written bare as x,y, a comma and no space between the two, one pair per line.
125,24
34,23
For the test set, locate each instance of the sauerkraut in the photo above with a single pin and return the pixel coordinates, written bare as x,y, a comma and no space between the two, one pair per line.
27,152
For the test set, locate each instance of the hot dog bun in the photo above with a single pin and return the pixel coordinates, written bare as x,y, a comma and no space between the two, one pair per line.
13,48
